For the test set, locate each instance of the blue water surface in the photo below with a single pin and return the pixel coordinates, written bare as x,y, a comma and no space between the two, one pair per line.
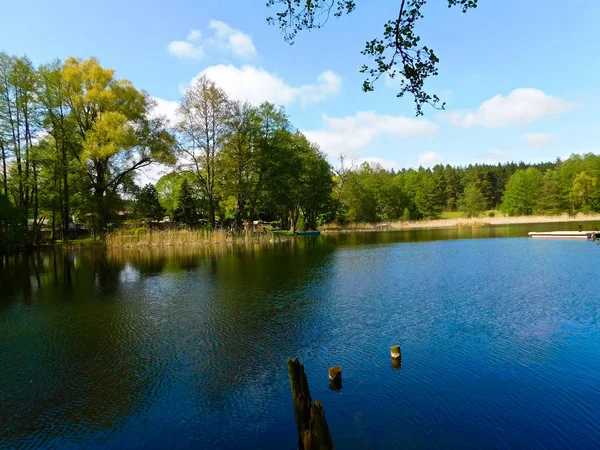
187,349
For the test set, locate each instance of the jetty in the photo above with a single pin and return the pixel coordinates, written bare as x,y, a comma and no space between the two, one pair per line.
565,234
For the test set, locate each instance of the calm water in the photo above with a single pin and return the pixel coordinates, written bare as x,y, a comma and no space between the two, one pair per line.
187,349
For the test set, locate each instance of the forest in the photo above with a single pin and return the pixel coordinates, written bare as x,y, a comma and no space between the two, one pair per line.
73,137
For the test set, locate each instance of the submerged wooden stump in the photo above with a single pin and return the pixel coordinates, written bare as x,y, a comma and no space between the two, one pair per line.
313,431
395,352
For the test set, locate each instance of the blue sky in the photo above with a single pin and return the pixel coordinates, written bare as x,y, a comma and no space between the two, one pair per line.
520,78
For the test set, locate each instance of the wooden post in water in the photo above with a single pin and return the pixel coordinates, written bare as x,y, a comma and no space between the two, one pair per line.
395,352
335,374
313,431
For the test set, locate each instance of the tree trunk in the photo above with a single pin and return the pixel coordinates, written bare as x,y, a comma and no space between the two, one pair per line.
36,225
53,221
211,212
65,200
294,213
100,216
4,169
238,212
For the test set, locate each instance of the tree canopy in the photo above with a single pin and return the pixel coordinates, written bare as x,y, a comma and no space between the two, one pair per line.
73,136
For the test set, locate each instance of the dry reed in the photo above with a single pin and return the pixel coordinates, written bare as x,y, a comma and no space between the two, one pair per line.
187,237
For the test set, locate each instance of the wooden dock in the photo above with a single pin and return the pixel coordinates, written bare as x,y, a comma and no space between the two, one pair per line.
565,234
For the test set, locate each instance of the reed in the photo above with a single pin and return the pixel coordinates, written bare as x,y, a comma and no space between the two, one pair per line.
187,237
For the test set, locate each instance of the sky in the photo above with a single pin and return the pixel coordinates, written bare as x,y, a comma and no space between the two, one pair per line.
520,78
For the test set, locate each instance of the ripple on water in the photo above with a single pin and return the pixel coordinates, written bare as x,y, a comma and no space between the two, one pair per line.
499,347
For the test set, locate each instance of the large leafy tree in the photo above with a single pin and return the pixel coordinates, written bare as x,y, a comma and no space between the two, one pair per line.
19,123
168,187
550,201
63,137
584,186
117,134
239,159
472,202
202,128
522,192
398,53
428,196
312,184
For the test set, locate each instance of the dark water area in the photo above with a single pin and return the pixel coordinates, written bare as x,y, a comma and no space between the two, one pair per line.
187,348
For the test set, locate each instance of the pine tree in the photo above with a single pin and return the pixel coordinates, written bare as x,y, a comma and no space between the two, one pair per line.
147,206
187,212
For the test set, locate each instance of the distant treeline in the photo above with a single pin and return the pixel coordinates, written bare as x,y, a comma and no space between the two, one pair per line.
372,194
73,137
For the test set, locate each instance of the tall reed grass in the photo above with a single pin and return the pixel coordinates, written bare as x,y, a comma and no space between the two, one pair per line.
187,237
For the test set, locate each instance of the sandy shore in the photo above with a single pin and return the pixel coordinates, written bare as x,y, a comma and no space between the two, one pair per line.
459,222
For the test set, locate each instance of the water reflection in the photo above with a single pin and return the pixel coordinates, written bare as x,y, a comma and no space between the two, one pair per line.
179,347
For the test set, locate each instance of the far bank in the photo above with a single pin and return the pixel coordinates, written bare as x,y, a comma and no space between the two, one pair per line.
458,222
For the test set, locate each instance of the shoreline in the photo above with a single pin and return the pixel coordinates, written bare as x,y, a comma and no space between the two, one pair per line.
458,222
221,239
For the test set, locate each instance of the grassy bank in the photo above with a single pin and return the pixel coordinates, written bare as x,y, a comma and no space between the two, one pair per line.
456,221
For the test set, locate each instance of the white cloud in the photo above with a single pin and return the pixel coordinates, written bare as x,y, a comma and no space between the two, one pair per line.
429,159
520,107
539,140
165,108
349,135
194,35
183,49
151,173
256,85
226,39
234,40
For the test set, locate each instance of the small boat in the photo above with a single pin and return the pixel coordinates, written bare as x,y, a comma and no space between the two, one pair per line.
565,234
308,233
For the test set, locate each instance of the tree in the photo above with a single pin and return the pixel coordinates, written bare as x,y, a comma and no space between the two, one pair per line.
238,161
550,199
62,129
117,135
398,54
341,174
583,187
13,225
313,183
202,128
472,202
522,192
428,199
19,123
168,187
147,206
187,211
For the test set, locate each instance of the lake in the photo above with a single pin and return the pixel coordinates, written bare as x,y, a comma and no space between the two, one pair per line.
187,348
